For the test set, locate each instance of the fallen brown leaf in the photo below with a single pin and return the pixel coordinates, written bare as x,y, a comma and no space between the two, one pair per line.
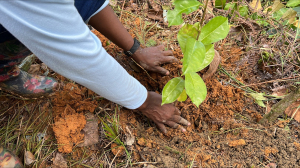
59,161
293,111
34,69
154,5
29,158
91,134
280,91
130,138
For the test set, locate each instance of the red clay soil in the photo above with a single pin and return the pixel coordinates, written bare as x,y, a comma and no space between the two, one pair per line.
224,132
69,106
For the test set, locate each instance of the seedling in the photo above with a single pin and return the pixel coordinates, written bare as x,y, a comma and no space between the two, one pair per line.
197,44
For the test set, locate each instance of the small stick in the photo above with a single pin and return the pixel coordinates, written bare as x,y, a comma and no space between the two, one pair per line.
114,159
144,70
122,10
202,19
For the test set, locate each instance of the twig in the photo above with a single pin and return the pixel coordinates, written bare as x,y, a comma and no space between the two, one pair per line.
114,159
144,70
111,141
202,19
145,163
122,10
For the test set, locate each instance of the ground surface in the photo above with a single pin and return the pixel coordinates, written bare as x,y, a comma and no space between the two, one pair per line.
224,130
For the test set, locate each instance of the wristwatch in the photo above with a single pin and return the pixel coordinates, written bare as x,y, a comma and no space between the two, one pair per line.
133,49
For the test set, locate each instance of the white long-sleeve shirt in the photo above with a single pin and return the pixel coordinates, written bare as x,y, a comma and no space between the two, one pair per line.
54,31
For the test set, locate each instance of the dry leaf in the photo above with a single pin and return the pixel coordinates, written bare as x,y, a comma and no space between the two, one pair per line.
280,91
256,5
59,161
129,137
296,23
213,66
154,5
34,69
290,15
277,6
113,3
29,158
91,134
293,111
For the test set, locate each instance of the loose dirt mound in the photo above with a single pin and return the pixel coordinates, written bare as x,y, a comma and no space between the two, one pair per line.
68,107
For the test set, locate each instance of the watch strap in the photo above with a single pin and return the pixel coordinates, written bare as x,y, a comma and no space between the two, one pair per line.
133,49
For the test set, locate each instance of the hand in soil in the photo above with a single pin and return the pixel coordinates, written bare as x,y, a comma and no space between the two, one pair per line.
152,57
167,114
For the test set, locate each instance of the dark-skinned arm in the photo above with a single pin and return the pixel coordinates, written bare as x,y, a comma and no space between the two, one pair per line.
107,23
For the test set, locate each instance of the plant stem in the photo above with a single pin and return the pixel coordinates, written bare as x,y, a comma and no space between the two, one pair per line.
202,19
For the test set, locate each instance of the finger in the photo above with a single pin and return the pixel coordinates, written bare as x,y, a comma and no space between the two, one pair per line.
162,128
167,59
167,53
177,111
161,47
180,120
174,125
161,70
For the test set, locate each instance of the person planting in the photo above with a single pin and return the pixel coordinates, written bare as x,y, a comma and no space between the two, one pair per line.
56,32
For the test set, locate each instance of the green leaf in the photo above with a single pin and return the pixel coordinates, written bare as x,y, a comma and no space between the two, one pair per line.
293,3
172,90
243,11
182,96
174,18
297,9
187,31
181,6
258,96
260,103
216,29
230,6
220,4
209,56
195,88
193,56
